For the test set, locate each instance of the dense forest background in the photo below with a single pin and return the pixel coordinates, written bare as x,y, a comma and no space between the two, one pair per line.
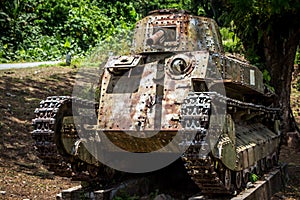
48,29
33,30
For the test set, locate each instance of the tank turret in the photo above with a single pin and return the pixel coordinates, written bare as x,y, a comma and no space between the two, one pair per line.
177,96
176,31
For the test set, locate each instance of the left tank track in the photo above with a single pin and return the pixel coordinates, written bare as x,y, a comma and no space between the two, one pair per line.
48,129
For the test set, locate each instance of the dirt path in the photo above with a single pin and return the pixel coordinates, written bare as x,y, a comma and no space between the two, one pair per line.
26,65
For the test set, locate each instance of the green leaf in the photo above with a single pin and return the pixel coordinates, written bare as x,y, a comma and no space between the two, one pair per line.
253,177
67,43
266,76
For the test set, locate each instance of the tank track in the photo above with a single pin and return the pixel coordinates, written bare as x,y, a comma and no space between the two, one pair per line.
45,126
202,169
206,171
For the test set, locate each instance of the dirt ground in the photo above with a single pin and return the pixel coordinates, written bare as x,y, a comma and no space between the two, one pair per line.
22,176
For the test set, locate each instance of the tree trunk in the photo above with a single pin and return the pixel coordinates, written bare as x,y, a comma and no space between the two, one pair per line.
279,55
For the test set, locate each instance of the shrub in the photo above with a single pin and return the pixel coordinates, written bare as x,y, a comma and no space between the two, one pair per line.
48,29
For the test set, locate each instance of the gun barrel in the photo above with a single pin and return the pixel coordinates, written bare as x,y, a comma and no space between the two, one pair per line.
154,39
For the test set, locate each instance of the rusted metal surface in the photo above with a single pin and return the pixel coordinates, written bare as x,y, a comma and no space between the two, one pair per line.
167,86
184,32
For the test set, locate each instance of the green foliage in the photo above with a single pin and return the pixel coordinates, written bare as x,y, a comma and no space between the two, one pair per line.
144,6
255,19
119,44
231,42
266,76
33,30
48,29
263,29
253,177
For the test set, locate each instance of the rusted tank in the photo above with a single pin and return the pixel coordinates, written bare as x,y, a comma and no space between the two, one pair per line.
177,81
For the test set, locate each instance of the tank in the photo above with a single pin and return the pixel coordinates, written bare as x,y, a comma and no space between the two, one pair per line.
177,93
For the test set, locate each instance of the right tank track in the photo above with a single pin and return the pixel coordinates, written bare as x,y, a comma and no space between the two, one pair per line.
207,171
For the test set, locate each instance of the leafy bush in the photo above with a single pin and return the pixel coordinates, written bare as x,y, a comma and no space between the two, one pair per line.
231,42
253,177
48,29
